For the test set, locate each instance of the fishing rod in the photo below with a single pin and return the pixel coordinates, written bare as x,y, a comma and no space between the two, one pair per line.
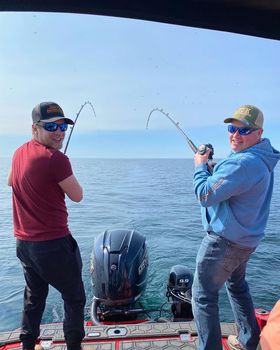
202,149
176,124
77,116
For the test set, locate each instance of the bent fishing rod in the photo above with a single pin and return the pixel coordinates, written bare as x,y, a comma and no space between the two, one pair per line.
202,149
77,116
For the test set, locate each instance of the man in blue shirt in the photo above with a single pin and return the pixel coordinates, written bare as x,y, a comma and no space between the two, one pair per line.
235,201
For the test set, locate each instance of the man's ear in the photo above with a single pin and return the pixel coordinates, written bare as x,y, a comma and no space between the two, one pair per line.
34,129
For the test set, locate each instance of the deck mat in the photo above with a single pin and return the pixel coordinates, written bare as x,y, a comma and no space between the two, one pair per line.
141,336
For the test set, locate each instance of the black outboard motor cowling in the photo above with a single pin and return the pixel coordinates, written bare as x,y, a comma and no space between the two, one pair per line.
119,267
179,289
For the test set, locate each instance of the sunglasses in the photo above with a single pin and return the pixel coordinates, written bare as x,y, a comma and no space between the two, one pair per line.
241,131
51,126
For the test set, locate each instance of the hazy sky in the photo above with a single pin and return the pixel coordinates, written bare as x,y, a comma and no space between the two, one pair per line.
125,68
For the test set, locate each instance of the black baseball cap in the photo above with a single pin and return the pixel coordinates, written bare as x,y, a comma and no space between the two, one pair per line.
49,112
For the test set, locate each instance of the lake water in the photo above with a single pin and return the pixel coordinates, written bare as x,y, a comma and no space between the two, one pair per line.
153,196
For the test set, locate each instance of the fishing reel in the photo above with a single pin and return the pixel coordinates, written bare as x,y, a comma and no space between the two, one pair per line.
202,149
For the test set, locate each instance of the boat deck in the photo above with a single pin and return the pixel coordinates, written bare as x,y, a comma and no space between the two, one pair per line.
140,336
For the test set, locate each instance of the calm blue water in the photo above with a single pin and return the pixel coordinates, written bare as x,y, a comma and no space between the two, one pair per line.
152,196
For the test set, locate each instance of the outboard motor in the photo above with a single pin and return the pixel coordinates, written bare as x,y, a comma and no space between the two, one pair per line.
119,264
179,289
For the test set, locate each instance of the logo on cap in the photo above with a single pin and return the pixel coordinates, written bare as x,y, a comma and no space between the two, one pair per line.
55,109
243,110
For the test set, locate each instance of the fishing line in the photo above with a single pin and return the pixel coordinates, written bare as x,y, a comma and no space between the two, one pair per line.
77,116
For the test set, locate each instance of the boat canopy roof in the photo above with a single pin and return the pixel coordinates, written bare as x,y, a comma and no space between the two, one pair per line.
259,18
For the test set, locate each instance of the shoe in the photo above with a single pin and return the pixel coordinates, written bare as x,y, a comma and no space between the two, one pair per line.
38,347
233,343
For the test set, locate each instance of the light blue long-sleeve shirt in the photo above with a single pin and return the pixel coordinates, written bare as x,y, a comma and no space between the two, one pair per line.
235,199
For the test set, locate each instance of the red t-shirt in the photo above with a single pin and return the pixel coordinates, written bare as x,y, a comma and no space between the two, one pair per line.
39,209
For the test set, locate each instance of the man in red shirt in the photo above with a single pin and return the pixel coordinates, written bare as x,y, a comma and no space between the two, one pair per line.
41,175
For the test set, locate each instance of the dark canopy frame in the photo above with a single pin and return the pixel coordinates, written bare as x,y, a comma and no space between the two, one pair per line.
259,18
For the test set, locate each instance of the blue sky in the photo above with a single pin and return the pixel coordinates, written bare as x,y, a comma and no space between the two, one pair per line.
126,68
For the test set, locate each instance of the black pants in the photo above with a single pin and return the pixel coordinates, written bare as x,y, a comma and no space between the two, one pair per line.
57,263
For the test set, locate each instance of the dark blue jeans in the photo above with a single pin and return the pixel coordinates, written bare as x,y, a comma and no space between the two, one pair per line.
220,262
57,263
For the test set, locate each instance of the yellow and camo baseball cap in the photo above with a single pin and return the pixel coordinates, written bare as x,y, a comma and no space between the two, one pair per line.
249,115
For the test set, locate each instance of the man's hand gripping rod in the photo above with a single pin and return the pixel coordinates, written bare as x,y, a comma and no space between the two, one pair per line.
202,149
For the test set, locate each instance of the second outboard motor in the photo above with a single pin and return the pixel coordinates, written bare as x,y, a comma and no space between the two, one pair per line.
119,264
179,289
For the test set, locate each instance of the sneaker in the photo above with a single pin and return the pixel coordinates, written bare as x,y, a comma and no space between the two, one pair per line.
233,343
38,347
